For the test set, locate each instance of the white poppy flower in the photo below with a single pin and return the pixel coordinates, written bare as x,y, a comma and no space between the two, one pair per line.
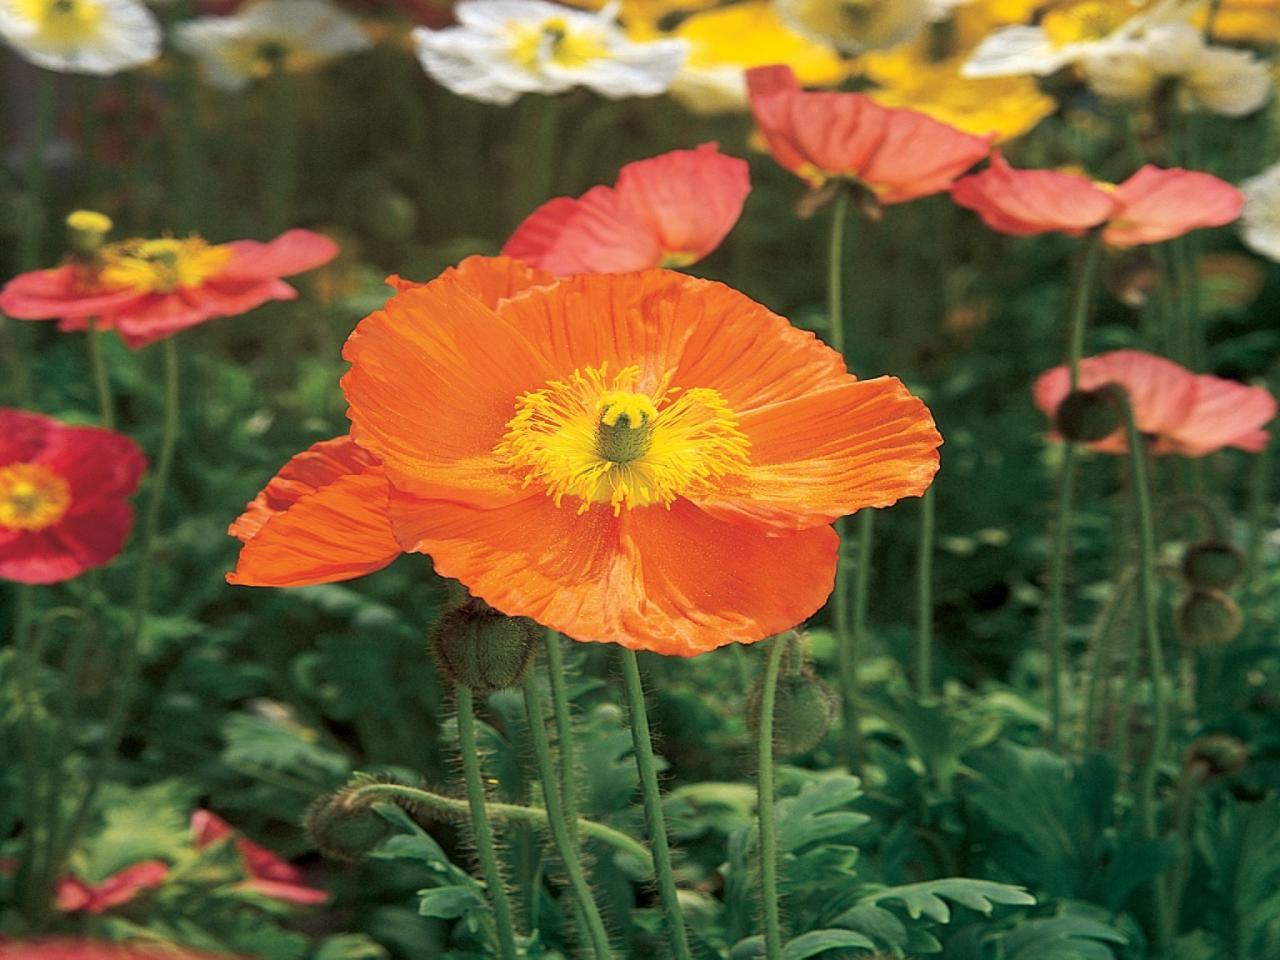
504,48
270,36
81,36
1260,221
854,26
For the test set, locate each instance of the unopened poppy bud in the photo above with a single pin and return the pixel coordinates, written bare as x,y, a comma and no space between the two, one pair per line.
802,711
1213,565
1216,755
1087,416
1209,618
86,232
343,825
478,647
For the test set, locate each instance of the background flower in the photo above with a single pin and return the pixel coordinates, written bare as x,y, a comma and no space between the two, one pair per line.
81,36
1260,222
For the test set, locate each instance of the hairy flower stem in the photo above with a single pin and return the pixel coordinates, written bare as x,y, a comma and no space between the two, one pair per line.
1066,497
126,667
924,609
1148,596
564,731
560,834
480,823
764,783
106,405
648,767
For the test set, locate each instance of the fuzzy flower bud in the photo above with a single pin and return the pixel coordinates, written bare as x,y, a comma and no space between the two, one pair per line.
343,825
803,709
1213,565
1209,618
478,647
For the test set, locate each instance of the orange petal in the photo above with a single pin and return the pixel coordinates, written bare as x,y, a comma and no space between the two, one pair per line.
490,279
1024,202
1156,205
677,582
866,443
337,532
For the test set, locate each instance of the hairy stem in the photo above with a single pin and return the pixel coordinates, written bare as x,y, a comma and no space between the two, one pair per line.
764,781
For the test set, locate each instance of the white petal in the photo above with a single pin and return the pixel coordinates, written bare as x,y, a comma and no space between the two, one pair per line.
475,67
1019,51
1230,82
1260,222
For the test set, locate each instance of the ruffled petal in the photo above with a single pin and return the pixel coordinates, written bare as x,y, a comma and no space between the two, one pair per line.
59,294
294,251
866,443
1024,202
1225,414
918,155
596,233
490,279
1156,205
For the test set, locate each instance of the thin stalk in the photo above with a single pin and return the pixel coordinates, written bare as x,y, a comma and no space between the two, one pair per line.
91,133
560,834
648,767
764,782
1149,597
1080,307
480,823
126,669
564,730
186,192
924,608
279,181
865,537
101,381
31,238
1259,485
1101,651
542,164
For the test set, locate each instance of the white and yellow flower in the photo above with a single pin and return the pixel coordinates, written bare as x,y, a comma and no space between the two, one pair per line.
81,36
854,26
504,48
289,36
1260,221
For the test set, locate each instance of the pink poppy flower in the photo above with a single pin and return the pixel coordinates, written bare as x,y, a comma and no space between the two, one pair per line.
667,211
76,895
150,289
1151,206
269,875
1181,411
63,496
899,154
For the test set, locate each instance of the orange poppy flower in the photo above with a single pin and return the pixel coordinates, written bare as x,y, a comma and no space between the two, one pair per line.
150,289
897,153
64,493
670,210
645,459
1181,411
1151,206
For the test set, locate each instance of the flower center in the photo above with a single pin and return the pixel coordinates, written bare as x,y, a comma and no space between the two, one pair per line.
163,265
63,21
32,497
552,41
603,439
1082,23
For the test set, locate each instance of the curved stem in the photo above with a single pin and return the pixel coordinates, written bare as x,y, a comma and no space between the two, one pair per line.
564,730
924,609
648,767
1101,657
1080,307
1058,589
560,835
106,405
768,838
480,823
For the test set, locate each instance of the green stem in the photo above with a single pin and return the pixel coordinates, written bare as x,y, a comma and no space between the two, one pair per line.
560,834
91,133
540,169
126,669
865,537
1101,651
31,238
1259,485
768,837
480,823
101,380
1080,307
279,173
564,730
924,608
186,192
648,767
1149,597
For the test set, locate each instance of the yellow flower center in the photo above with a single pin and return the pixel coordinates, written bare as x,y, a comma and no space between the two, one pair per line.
32,497
1082,22
678,259
161,266
602,439
63,21
555,42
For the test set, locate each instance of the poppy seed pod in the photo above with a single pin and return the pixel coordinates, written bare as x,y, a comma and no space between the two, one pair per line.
343,826
480,648
1087,416
1213,565
1209,618
802,711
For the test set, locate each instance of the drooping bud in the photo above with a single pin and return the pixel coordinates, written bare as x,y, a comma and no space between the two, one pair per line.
1209,618
343,824
1087,416
478,647
803,709
1213,565
86,232
1216,755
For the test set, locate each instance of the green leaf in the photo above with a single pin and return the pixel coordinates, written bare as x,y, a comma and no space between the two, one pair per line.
255,743
930,898
449,903
815,815
350,946
819,941
147,823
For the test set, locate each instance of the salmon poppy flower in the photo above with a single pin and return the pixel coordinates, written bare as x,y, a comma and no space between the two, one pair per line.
74,948
150,289
898,154
334,495
1181,411
1151,206
77,895
269,875
646,459
63,496
670,210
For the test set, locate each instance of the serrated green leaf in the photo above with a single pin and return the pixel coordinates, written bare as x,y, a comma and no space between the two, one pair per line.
819,941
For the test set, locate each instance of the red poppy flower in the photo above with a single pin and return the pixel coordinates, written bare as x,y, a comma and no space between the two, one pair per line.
670,210
1151,206
269,875
76,895
151,289
899,154
63,496
69,948
1181,411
